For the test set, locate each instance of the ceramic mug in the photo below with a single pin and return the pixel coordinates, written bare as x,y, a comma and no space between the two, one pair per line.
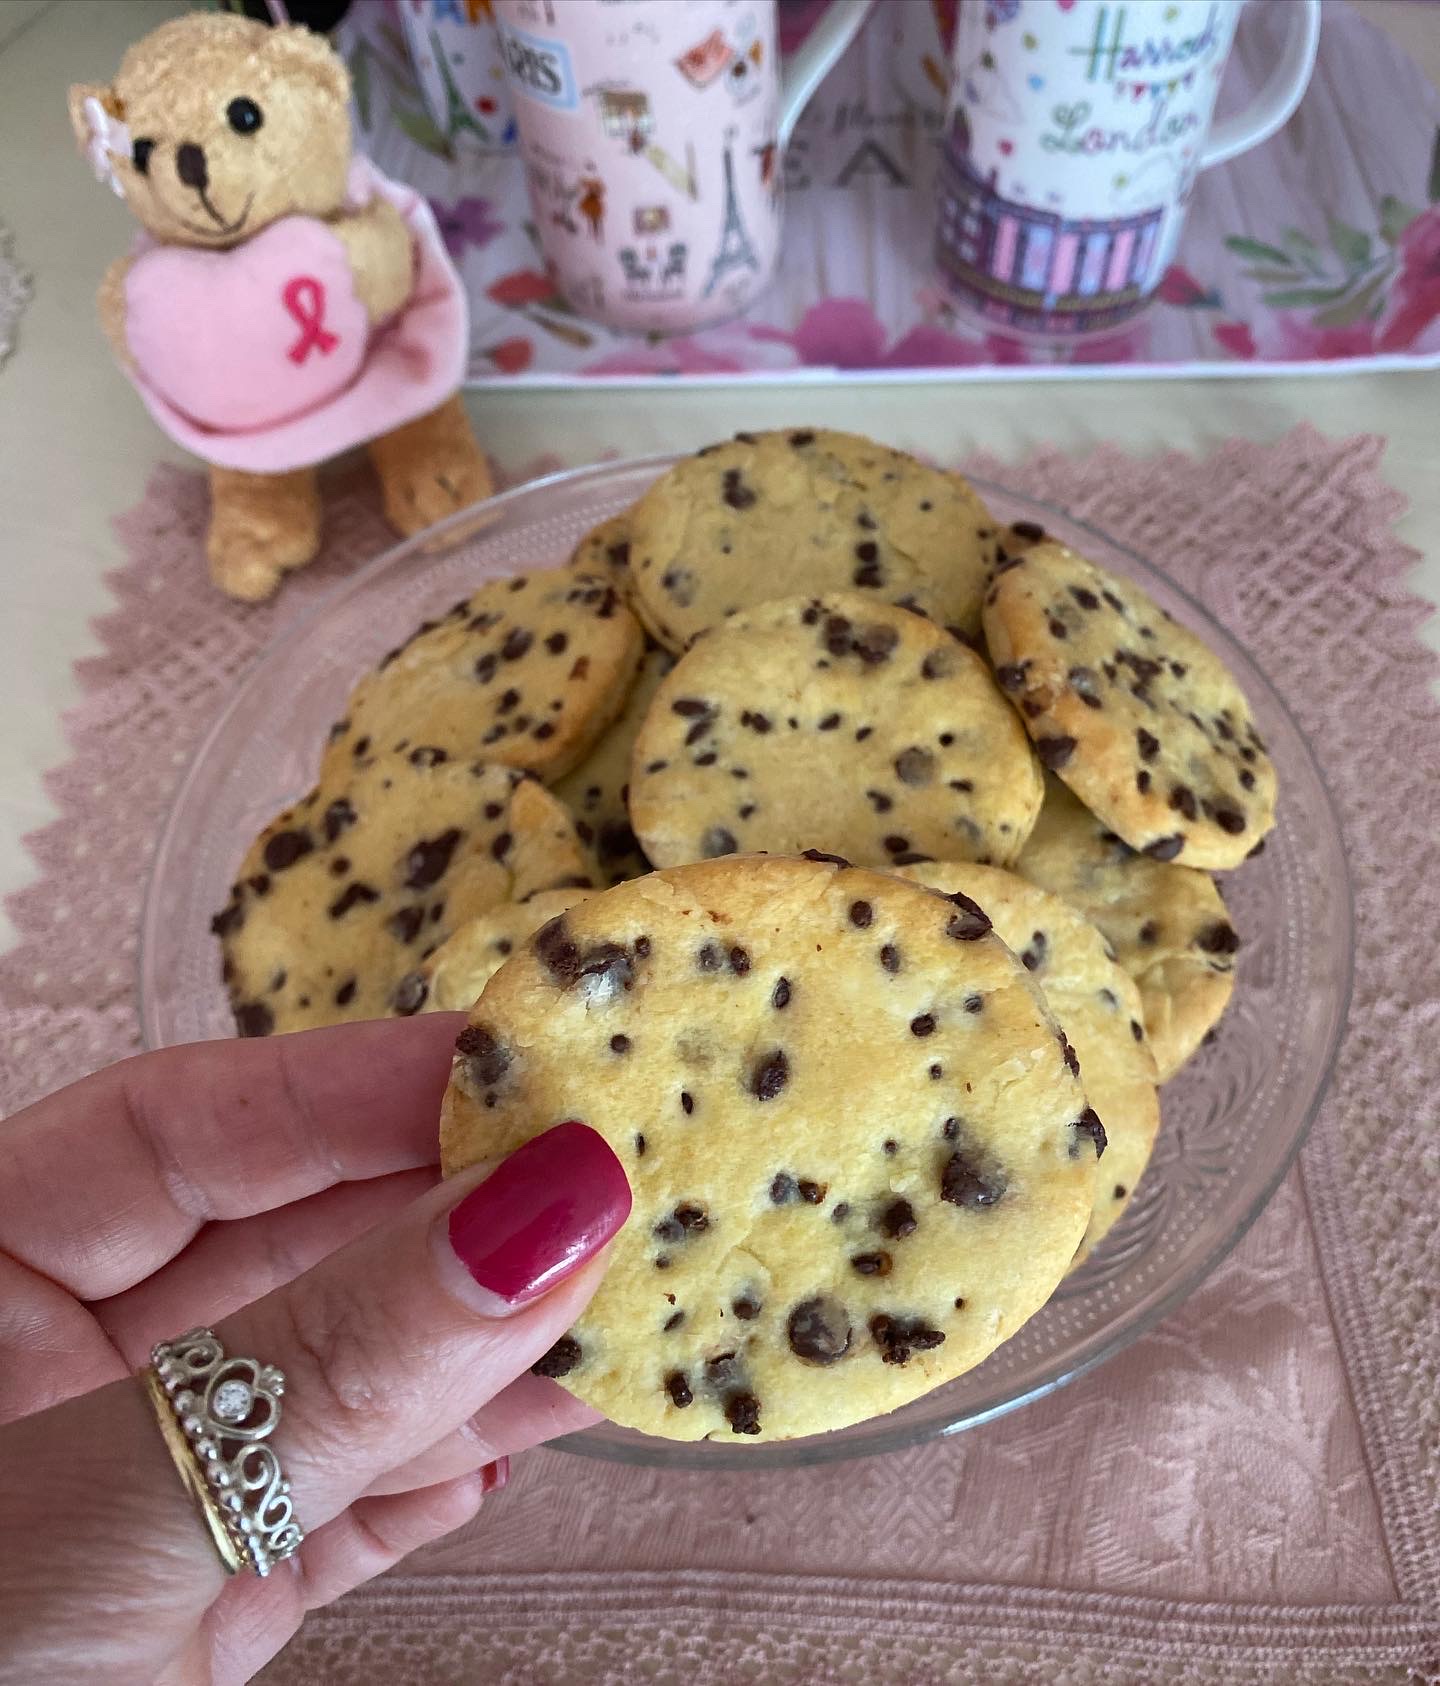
1074,134
652,136
455,53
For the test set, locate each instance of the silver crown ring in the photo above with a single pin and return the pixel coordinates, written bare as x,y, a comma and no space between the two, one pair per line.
227,1407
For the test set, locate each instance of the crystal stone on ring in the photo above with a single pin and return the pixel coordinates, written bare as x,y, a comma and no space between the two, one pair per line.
231,1402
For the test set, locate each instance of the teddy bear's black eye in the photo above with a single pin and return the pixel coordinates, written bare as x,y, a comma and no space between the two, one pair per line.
244,116
140,154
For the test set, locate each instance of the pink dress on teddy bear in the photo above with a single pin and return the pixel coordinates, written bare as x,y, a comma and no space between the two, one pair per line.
303,375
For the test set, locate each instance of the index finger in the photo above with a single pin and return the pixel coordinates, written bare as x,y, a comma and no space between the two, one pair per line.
107,1180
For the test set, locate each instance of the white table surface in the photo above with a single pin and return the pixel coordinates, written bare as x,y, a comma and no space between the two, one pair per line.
76,447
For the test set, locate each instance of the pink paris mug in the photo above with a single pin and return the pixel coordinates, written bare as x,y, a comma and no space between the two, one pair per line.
1074,134
651,132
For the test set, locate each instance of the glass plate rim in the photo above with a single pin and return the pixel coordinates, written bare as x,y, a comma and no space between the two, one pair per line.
829,1448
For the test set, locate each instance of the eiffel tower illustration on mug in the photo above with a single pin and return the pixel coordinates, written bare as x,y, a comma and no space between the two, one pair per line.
458,115
736,250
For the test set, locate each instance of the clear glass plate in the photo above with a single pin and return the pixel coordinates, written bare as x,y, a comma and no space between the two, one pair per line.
1233,1120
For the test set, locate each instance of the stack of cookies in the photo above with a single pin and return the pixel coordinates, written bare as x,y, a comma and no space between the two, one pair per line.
931,807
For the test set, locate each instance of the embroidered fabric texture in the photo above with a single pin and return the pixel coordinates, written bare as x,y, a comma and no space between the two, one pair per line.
1250,1493
16,287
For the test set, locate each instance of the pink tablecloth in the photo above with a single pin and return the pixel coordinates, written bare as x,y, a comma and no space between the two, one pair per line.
1250,1493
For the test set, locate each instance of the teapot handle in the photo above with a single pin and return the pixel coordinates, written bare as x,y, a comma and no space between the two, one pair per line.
809,66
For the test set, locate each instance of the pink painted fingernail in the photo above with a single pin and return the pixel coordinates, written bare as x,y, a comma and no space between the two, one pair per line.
541,1213
494,1476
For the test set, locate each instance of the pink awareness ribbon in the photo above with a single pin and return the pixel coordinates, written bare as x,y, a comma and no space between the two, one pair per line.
305,300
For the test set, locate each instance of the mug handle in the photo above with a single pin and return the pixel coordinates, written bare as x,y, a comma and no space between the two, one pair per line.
809,66
1278,96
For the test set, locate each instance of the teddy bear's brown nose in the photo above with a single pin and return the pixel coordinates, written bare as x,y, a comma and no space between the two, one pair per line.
190,166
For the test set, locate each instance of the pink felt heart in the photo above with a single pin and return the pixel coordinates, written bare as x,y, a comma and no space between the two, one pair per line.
247,338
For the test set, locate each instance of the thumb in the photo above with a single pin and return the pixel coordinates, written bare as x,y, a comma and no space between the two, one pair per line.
399,1338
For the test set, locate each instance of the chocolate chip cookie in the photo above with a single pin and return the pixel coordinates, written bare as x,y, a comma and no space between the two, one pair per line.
1098,1008
341,897
836,722
598,789
1139,717
605,550
1167,924
527,672
470,956
860,1153
806,510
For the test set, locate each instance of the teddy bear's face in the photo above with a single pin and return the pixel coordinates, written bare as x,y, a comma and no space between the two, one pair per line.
231,125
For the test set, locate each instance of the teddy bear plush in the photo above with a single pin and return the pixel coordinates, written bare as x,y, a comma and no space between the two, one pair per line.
283,301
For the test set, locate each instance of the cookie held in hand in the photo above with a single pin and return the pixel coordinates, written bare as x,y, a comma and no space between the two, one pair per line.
860,1153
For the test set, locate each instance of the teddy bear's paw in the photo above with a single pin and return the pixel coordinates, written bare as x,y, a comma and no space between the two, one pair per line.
430,490
261,527
430,468
247,577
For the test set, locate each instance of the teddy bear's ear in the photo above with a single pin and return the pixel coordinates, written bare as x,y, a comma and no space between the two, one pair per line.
97,115
83,114
300,51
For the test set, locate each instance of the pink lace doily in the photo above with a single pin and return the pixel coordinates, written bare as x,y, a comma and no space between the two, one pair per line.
1250,1493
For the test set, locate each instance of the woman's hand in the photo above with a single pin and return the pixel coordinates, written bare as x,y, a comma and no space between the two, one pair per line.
283,1192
